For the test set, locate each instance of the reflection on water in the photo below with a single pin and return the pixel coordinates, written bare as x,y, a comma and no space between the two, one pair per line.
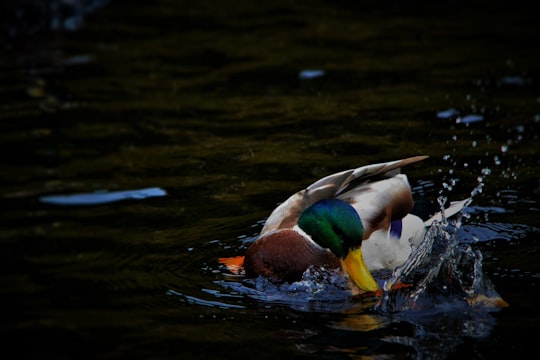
229,108
102,197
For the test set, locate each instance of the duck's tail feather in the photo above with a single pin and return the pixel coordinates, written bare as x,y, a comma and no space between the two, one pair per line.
454,208
233,264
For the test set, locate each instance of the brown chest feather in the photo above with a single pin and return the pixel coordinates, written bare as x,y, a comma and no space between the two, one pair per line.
284,256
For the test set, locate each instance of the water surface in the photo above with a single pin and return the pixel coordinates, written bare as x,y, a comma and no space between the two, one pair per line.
211,104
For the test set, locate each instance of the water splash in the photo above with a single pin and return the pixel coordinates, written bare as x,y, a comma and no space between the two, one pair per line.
440,271
320,289
449,182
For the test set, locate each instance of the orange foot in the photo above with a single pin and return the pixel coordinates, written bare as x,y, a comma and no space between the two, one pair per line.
397,286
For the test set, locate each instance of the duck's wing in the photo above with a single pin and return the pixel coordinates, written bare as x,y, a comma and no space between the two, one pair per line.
375,172
286,214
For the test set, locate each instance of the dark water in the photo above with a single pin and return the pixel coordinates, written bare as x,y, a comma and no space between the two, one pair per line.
207,103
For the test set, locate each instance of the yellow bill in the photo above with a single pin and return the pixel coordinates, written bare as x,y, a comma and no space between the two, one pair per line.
354,265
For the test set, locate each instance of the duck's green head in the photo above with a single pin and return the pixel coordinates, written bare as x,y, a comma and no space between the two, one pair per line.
335,224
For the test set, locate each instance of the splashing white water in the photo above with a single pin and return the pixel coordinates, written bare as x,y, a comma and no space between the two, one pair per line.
440,270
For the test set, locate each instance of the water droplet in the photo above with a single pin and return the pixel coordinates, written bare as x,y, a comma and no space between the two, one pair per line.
442,201
504,148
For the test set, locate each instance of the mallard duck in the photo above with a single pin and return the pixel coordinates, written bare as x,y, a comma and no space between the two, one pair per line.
356,219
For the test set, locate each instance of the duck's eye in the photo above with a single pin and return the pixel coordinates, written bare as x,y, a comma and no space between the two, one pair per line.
339,232
345,241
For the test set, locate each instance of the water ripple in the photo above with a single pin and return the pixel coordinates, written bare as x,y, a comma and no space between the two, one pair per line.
473,233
